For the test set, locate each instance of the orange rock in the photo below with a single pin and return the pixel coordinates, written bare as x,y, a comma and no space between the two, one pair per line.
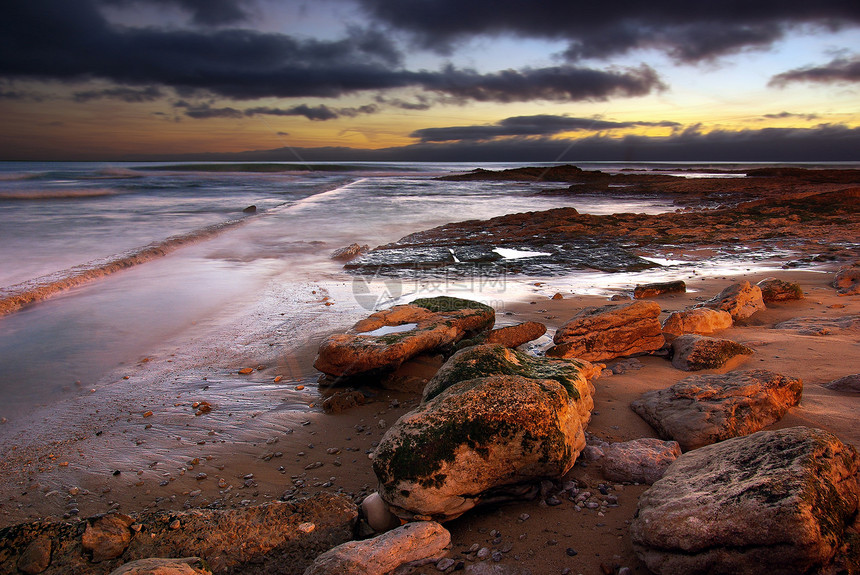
246,370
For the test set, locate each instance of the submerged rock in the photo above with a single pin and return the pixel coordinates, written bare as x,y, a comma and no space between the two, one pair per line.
349,252
703,409
640,460
700,320
659,288
776,290
741,300
423,326
693,352
607,332
478,439
383,553
776,502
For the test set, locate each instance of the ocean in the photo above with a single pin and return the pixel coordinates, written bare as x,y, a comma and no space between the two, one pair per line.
118,262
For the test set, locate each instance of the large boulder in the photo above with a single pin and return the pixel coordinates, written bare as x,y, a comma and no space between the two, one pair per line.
383,553
777,290
607,332
164,566
387,338
700,320
703,409
642,460
485,360
693,352
777,502
280,537
847,280
741,300
476,440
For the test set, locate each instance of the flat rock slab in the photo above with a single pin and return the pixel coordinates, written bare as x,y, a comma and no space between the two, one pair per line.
656,289
606,332
278,537
164,566
776,502
821,326
640,460
516,335
741,300
478,439
700,320
386,339
704,409
849,383
693,352
384,553
777,290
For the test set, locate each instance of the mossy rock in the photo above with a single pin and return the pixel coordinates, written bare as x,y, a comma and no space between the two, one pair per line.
448,303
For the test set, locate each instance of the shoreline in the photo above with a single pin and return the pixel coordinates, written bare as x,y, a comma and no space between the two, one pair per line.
136,442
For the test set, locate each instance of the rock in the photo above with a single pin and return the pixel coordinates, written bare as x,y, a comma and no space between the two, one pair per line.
36,557
558,296
607,332
384,553
160,566
693,352
741,300
485,568
776,290
516,335
773,502
349,252
478,439
107,536
849,383
703,409
250,210
486,360
821,326
847,280
342,401
700,320
640,460
660,288
266,538
377,514
375,344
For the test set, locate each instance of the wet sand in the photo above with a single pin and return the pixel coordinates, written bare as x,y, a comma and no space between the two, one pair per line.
137,444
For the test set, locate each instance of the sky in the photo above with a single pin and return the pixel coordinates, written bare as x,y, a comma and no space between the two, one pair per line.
430,80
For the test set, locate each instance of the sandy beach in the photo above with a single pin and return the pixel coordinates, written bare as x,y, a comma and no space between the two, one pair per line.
250,429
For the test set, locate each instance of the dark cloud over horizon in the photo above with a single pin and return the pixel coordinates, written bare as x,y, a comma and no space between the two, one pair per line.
687,31
539,125
838,70
72,41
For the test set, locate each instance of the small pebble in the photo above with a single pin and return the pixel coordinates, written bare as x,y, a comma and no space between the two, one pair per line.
497,556
445,563
483,553
175,524
572,552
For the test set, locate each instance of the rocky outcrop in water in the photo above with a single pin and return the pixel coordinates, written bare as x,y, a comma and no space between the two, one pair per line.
383,553
477,438
704,409
387,338
607,332
778,502
741,300
693,352
349,252
273,538
700,320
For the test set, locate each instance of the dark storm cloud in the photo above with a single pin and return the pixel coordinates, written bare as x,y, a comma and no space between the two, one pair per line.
203,12
784,115
64,40
321,112
689,31
540,125
130,95
206,111
836,71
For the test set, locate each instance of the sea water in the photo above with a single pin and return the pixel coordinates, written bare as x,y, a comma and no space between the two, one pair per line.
121,259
